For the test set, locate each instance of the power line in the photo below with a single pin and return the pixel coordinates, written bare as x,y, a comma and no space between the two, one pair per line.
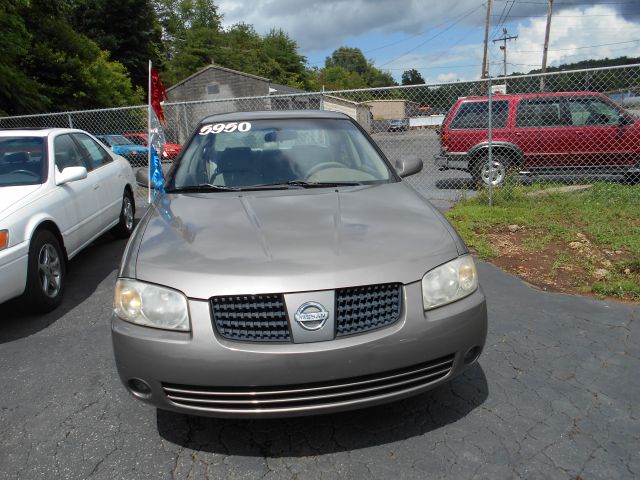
347,54
578,48
578,16
631,2
503,47
433,36
497,62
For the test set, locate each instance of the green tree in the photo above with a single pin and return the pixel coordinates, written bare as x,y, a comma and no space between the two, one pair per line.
128,29
412,77
338,78
351,59
192,36
19,93
73,70
288,66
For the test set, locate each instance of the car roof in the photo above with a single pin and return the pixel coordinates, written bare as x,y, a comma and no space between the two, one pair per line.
273,115
35,132
509,96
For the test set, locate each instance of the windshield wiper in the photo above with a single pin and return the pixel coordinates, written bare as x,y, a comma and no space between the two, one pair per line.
203,187
304,184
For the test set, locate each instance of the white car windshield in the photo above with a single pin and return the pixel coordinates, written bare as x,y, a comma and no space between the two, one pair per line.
22,161
254,153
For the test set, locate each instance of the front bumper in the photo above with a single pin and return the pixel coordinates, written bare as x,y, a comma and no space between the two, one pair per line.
13,271
205,374
451,162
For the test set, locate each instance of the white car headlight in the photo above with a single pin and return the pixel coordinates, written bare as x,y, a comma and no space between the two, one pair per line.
449,282
150,305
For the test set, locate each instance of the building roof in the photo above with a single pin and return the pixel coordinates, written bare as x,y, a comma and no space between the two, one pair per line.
216,67
390,101
344,100
284,89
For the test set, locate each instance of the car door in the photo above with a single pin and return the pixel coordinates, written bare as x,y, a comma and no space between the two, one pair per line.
542,132
598,138
109,178
75,202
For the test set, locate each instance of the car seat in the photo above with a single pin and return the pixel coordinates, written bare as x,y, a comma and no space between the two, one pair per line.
237,168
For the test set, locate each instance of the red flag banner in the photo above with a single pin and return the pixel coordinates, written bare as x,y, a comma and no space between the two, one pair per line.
158,94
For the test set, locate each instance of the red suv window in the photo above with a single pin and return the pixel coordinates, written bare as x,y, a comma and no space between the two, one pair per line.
475,115
590,111
541,112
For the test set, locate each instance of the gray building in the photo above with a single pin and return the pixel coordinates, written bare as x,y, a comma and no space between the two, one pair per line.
214,82
212,90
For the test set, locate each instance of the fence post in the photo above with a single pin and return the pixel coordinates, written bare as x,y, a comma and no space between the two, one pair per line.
70,120
186,124
490,139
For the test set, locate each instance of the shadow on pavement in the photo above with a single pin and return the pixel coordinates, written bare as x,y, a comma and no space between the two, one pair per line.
455,184
85,272
322,434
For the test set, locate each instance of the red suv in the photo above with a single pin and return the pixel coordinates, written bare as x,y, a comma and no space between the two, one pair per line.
568,132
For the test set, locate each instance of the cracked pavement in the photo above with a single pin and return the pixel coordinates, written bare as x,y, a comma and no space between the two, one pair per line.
555,395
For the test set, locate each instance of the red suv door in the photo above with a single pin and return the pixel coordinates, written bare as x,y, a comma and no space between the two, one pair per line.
542,132
602,133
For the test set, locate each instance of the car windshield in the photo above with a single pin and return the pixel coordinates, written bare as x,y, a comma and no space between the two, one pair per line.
22,161
289,153
112,140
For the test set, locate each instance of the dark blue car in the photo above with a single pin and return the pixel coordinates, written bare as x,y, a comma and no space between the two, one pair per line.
137,155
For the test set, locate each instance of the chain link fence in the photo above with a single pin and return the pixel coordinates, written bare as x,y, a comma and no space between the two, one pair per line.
563,127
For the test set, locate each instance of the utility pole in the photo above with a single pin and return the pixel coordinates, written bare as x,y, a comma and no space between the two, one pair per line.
503,47
546,43
486,41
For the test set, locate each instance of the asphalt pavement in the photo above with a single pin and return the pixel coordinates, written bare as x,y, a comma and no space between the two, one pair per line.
555,395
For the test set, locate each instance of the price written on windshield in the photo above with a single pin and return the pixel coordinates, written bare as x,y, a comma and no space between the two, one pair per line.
225,128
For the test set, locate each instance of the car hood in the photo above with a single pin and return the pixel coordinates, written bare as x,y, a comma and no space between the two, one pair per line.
11,196
293,240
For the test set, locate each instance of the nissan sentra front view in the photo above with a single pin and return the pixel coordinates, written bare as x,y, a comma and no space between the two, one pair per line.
288,270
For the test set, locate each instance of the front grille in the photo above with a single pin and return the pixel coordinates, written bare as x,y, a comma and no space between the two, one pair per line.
308,396
361,309
251,318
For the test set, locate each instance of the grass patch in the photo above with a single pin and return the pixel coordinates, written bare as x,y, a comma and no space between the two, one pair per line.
605,218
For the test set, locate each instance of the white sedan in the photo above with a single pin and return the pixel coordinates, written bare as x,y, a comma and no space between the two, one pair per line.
59,190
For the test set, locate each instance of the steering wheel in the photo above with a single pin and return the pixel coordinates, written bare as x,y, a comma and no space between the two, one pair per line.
324,166
28,172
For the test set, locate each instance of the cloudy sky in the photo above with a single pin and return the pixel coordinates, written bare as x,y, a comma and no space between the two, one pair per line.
443,38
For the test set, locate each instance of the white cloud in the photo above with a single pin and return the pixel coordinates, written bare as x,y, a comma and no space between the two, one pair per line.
321,24
325,24
448,77
599,28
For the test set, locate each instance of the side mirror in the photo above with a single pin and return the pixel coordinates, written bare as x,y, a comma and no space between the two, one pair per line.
70,174
623,120
408,165
142,178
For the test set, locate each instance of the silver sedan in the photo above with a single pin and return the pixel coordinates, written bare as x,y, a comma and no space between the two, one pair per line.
288,270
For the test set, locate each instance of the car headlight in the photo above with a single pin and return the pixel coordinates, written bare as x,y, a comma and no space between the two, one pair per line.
449,282
150,305
4,239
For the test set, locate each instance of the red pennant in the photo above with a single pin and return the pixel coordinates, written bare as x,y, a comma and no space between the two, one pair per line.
158,94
